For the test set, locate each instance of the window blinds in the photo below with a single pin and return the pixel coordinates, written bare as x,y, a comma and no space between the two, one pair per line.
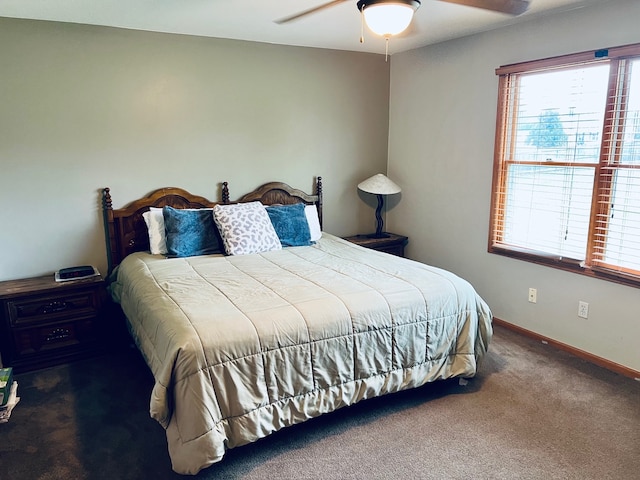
566,183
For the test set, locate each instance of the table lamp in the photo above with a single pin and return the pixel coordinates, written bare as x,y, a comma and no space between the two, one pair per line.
379,185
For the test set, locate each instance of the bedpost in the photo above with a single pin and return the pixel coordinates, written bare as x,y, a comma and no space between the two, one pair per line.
107,209
319,193
225,193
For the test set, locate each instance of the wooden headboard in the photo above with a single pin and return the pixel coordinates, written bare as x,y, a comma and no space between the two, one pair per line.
274,193
126,230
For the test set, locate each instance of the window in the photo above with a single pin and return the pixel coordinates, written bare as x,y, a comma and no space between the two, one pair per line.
566,184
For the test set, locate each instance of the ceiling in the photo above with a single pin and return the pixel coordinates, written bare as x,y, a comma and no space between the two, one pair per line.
334,28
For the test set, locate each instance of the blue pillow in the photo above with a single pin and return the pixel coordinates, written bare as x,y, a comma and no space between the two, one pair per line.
291,225
190,232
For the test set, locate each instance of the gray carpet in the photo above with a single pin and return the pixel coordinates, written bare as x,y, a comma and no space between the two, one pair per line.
532,413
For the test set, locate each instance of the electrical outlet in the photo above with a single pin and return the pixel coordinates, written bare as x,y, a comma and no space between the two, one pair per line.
583,309
533,295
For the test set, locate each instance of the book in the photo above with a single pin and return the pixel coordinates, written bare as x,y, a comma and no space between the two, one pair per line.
6,380
6,409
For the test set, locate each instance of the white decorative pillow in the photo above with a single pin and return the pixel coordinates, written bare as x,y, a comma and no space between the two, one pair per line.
246,228
314,222
155,227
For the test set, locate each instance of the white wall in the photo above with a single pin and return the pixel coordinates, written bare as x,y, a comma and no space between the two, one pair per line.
442,127
85,107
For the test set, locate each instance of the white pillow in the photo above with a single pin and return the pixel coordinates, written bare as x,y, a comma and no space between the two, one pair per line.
246,228
155,227
314,222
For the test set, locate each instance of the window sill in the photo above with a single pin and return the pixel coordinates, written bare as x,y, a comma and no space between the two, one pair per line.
568,265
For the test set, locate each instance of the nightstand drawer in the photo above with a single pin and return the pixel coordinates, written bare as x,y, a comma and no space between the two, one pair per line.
397,250
388,243
38,340
52,308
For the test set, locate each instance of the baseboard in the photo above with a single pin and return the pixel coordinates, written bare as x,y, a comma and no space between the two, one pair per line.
601,362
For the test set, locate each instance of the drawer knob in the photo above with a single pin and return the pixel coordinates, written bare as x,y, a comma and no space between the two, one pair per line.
53,307
57,334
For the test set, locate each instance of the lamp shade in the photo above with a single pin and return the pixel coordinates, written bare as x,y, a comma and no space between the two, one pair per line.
379,184
388,17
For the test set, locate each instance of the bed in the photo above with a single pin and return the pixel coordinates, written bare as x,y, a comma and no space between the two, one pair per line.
242,345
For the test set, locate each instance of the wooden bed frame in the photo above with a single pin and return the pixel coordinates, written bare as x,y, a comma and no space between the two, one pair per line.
209,352
126,230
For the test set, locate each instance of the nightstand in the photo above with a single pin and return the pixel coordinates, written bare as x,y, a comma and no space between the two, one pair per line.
44,322
392,243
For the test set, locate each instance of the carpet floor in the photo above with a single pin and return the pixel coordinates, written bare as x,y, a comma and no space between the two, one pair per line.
532,412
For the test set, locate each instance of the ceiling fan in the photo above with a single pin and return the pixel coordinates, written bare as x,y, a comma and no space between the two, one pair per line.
511,7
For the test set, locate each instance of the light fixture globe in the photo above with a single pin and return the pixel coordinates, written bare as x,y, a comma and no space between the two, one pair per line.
388,17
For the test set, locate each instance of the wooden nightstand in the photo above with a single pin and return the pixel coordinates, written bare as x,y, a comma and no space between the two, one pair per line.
393,243
44,322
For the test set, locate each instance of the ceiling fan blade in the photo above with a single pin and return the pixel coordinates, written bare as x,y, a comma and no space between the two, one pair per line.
512,7
309,11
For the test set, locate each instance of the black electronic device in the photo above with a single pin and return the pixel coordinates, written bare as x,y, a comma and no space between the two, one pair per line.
76,273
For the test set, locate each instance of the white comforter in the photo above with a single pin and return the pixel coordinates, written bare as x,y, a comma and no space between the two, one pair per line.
241,346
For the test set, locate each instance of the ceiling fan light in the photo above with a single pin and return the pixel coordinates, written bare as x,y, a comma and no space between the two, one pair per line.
389,17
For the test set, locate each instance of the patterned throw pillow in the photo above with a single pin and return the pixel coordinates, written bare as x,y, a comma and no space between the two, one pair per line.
246,228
